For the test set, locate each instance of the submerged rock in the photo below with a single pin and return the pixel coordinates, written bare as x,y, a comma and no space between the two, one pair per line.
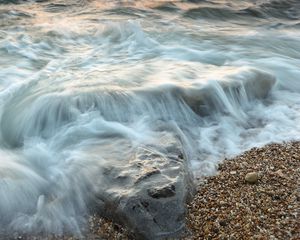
149,194
162,192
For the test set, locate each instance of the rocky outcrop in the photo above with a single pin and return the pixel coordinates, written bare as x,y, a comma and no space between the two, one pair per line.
149,194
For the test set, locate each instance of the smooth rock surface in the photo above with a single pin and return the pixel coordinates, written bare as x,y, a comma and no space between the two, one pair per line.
251,177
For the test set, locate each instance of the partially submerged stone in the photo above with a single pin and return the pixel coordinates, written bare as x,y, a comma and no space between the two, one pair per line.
148,194
162,192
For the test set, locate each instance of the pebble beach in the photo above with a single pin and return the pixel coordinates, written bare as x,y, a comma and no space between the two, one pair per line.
226,206
229,206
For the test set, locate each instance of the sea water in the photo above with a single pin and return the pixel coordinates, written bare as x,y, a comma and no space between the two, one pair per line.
84,83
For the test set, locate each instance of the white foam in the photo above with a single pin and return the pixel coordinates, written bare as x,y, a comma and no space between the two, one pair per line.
77,100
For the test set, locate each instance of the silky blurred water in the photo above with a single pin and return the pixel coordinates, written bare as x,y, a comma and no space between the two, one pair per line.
84,83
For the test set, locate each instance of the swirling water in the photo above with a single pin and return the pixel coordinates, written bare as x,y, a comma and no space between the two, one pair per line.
84,83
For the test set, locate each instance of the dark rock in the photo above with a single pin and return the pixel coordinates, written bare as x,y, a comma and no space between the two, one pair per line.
223,223
151,201
162,192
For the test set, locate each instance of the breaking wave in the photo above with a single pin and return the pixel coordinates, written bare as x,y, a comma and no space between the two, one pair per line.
84,86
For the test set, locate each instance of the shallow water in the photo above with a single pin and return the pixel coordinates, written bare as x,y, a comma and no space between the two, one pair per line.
83,84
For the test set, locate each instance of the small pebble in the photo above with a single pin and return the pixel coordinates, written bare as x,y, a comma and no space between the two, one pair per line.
251,177
279,173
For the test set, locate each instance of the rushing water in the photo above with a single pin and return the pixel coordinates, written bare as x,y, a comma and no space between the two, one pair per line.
83,83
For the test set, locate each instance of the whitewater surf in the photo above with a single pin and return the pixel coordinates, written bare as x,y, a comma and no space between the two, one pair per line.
102,102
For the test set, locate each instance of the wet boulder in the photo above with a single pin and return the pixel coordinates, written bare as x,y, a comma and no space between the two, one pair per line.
149,194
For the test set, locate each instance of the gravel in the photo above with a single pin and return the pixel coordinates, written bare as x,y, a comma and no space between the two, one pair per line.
227,206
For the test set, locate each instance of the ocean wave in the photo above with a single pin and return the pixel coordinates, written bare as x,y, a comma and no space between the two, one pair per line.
93,93
34,115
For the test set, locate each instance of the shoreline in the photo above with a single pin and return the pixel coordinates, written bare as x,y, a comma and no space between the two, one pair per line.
226,206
